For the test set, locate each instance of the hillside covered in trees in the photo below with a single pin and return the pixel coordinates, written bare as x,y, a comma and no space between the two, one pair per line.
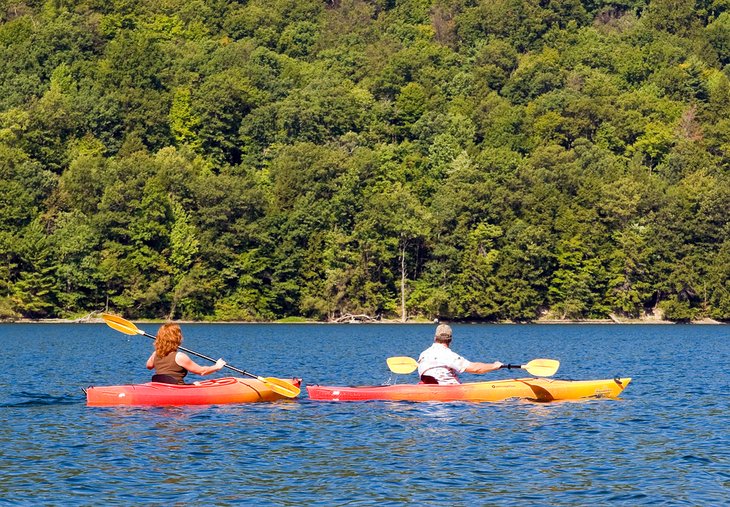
467,159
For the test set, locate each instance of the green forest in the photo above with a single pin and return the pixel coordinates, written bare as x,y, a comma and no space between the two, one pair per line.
490,160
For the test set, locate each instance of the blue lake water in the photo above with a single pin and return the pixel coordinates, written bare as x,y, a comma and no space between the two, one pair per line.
666,441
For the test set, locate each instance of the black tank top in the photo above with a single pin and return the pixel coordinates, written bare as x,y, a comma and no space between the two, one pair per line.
167,366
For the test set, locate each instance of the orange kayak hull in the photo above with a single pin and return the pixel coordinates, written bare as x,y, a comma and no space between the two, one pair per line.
208,392
535,389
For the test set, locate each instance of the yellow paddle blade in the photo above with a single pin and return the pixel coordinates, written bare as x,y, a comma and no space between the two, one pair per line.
401,364
542,367
120,324
281,387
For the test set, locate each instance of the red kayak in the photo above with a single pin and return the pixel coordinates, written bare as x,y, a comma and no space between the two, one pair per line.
536,389
206,392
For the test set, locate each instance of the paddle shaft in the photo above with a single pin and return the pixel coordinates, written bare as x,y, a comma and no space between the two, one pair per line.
512,366
203,356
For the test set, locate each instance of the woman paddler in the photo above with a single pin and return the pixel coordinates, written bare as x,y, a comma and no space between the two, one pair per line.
169,363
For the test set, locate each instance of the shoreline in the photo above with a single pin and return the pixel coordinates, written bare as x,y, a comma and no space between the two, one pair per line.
614,321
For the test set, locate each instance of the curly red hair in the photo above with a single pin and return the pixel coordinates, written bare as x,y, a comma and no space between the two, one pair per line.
168,339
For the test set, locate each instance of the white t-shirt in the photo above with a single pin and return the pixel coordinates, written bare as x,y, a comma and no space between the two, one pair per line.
442,363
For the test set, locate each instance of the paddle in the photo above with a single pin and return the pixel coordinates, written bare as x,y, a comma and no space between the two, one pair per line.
536,367
401,364
276,384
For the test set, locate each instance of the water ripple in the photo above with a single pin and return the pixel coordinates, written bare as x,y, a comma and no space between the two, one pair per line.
30,400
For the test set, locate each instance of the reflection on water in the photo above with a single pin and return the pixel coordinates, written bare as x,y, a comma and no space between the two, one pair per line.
664,442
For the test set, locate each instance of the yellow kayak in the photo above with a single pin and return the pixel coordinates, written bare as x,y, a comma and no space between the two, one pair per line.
536,389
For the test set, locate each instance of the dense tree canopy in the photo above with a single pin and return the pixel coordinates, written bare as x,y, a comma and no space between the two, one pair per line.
463,159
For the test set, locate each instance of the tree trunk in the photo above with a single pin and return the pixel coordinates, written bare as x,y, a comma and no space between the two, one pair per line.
404,314
173,307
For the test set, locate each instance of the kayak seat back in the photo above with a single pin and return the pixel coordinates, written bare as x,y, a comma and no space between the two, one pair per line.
165,379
